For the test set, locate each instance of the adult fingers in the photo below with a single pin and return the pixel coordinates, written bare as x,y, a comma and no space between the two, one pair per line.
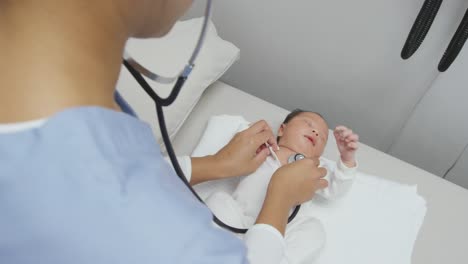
322,184
262,127
258,127
263,137
313,162
319,172
261,156
322,172
262,147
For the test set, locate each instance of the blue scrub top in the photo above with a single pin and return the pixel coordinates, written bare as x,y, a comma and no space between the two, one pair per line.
91,186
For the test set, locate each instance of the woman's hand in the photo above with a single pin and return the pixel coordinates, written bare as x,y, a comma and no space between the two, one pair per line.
246,151
241,156
297,182
291,185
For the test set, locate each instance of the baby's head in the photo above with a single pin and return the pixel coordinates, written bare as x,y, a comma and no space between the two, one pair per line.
304,132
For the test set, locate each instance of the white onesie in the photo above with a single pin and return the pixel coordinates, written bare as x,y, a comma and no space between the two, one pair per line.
241,208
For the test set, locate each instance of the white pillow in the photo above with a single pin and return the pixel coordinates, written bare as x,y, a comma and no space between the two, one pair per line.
167,56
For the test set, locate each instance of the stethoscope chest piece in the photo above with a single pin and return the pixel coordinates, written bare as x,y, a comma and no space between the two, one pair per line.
295,157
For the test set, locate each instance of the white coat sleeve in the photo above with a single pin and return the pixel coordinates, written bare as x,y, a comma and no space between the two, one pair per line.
264,243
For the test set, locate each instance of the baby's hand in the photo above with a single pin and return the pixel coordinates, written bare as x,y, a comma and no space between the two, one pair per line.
347,143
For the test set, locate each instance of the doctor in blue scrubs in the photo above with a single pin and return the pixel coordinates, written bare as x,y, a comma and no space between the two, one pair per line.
82,180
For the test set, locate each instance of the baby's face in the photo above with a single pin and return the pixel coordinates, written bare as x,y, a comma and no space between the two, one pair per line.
306,133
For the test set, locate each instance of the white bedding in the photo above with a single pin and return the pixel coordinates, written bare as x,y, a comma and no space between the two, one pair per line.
444,234
376,222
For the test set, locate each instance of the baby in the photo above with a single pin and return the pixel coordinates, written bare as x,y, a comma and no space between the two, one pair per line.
305,133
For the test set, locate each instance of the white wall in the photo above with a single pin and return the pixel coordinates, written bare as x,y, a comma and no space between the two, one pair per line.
342,58
458,174
437,131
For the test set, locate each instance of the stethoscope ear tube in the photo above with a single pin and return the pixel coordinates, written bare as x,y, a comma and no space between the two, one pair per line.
159,102
136,70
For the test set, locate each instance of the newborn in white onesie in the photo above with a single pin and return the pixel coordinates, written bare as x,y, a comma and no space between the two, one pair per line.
301,132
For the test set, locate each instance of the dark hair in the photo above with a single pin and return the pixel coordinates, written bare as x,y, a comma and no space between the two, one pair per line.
295,113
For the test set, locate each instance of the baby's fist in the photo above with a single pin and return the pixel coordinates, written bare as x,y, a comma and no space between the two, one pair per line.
347,143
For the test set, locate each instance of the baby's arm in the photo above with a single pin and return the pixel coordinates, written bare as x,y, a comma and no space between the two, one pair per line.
340,177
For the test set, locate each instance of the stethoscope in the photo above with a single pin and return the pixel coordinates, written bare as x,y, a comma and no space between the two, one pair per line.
138,71
415,38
